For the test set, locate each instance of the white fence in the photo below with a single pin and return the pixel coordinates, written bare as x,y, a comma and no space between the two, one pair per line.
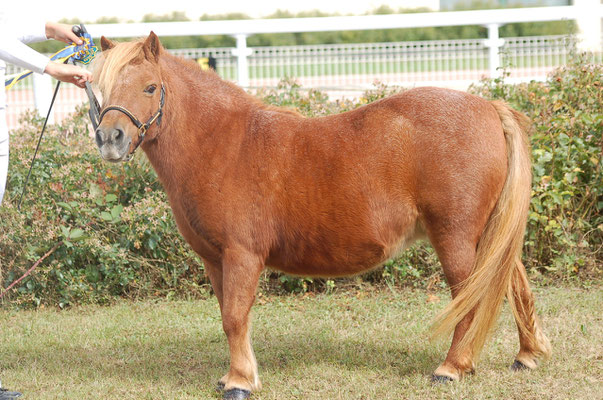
587,13
356,67
452,63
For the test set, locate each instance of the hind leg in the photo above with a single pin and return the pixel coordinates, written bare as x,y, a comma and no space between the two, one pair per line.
533,344
457,256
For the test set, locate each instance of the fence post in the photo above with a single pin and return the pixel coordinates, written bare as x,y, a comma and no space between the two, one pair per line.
242,52
42,88
494,43
589,25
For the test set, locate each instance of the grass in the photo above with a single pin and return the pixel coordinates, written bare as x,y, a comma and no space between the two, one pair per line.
362,345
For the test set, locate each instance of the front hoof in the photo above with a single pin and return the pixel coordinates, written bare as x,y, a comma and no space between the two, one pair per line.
236,394
518,366
220,387
440,379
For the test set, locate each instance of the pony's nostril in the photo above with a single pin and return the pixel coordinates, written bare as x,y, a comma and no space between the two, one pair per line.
120,134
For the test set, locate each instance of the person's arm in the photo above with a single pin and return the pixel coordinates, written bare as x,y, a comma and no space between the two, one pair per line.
32,32
40,31
68,73
62,33
14,51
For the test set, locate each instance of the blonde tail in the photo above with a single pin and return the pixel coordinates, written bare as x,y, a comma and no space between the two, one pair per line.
533,342
499,248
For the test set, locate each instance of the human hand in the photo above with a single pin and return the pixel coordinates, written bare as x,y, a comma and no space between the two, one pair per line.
68,73
62,32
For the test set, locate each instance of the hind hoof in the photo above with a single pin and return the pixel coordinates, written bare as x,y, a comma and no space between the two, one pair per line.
441,379
236,394
518,366
6,395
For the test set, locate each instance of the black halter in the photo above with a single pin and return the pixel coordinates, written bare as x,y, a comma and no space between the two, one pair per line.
96,115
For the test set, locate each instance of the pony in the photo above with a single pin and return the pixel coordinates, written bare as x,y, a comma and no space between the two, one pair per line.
253,186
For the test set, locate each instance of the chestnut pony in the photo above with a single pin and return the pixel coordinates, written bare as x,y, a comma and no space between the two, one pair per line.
252,185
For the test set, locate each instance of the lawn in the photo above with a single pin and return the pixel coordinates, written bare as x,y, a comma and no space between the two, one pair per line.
362,345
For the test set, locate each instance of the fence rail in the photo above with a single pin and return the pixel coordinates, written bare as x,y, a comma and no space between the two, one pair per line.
345,67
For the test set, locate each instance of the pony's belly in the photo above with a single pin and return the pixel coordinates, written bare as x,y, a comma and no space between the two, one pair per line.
329,260
331,269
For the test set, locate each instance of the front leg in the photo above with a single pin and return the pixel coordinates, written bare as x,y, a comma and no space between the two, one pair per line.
240,274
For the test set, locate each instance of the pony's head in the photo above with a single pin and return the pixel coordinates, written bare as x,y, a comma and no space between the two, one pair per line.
129,78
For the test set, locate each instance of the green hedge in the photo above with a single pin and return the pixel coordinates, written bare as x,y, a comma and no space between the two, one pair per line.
116,236
565,226
116,228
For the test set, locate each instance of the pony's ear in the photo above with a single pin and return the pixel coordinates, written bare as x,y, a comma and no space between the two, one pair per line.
152,47
106,44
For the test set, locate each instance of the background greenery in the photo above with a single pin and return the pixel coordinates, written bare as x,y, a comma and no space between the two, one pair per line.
116,236
368,36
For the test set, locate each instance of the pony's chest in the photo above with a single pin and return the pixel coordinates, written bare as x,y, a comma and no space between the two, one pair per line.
200,229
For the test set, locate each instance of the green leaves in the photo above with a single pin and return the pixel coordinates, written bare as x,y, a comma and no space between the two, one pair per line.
76,234
117,233
72,235
68,206
112,216
562,236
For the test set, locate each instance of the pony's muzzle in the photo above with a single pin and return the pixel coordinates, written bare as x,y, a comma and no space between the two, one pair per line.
108,135
112,143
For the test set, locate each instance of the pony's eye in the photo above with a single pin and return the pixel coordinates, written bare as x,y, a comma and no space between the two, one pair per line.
150,89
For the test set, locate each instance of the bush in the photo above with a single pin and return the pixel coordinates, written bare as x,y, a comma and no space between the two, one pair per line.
115,235
565,226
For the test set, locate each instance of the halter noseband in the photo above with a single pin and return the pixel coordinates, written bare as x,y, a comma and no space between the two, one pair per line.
96,116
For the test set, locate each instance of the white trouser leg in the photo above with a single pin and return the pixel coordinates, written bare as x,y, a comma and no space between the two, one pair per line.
3,151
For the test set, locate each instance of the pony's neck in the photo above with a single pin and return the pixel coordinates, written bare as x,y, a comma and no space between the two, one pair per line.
203,120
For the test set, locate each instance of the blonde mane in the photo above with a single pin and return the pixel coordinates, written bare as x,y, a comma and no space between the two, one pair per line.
107,66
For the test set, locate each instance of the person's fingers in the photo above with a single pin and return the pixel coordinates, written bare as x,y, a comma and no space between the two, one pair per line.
76,80
80,80
64,33
69,73
70,38
85,76
80,73
73,38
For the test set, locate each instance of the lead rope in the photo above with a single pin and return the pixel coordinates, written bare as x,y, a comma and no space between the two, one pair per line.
33,160
83,53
